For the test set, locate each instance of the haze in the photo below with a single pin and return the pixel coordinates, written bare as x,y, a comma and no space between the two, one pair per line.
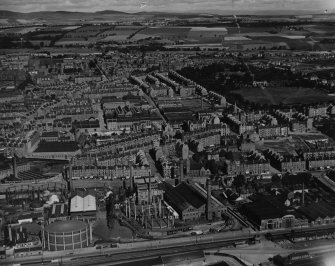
165,5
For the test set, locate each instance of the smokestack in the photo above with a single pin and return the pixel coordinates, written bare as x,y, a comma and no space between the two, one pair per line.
209,195
127,209
70,175
134,209
15,166
10,233
303,194
91,233
181,175
131,176
149,191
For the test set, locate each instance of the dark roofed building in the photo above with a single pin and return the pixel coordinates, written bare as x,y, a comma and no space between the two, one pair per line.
319,213
267,213
191,195
49,136
57,150
25,176
186,201
57,212
178,114
90,125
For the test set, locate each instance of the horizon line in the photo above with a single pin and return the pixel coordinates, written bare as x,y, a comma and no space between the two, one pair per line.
210,12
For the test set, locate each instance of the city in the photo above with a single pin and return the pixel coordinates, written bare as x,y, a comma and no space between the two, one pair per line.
155,136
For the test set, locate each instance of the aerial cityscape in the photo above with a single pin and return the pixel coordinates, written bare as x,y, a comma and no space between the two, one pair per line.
167,132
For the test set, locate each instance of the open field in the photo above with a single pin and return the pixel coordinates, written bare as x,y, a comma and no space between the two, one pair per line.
282,146
285,95
195,104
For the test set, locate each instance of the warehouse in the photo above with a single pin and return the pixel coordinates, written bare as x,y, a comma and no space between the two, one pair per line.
267,213
83,208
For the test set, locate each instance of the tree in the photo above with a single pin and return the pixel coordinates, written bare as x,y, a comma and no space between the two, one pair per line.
213,167
239,181
276,179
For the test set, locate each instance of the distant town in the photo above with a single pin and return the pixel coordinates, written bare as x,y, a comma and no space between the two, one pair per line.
167,139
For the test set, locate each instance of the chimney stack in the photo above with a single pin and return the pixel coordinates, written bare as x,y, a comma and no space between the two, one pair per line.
15,166
10,233
303,194
131,178
91,233
181,175
149,191
209,195
70,175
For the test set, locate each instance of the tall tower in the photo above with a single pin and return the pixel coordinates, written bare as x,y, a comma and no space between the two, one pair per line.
181,169
131,177
70,175
303,194
149,191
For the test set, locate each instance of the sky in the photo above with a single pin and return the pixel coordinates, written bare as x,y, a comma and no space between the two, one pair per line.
164,5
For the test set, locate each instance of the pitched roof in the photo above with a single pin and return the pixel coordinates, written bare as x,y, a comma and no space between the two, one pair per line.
192,196
318,210
183,196
83,204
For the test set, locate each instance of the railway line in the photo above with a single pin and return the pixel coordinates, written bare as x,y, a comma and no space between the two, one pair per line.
241,220
116,256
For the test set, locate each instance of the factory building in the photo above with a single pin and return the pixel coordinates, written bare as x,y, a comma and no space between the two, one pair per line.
83,208
192,202
267,213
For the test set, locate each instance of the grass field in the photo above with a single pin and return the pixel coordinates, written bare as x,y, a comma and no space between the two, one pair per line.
285,95
195,104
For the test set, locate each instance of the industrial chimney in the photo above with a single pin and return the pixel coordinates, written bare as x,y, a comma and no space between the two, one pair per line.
131,178
149,191
181,175
209,195
15,166
303,194
10,233
70,175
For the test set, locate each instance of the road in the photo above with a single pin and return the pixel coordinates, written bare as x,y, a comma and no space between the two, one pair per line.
153,104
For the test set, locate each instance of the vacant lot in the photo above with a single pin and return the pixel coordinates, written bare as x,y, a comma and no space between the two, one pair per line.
101,231
195,104
285,95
